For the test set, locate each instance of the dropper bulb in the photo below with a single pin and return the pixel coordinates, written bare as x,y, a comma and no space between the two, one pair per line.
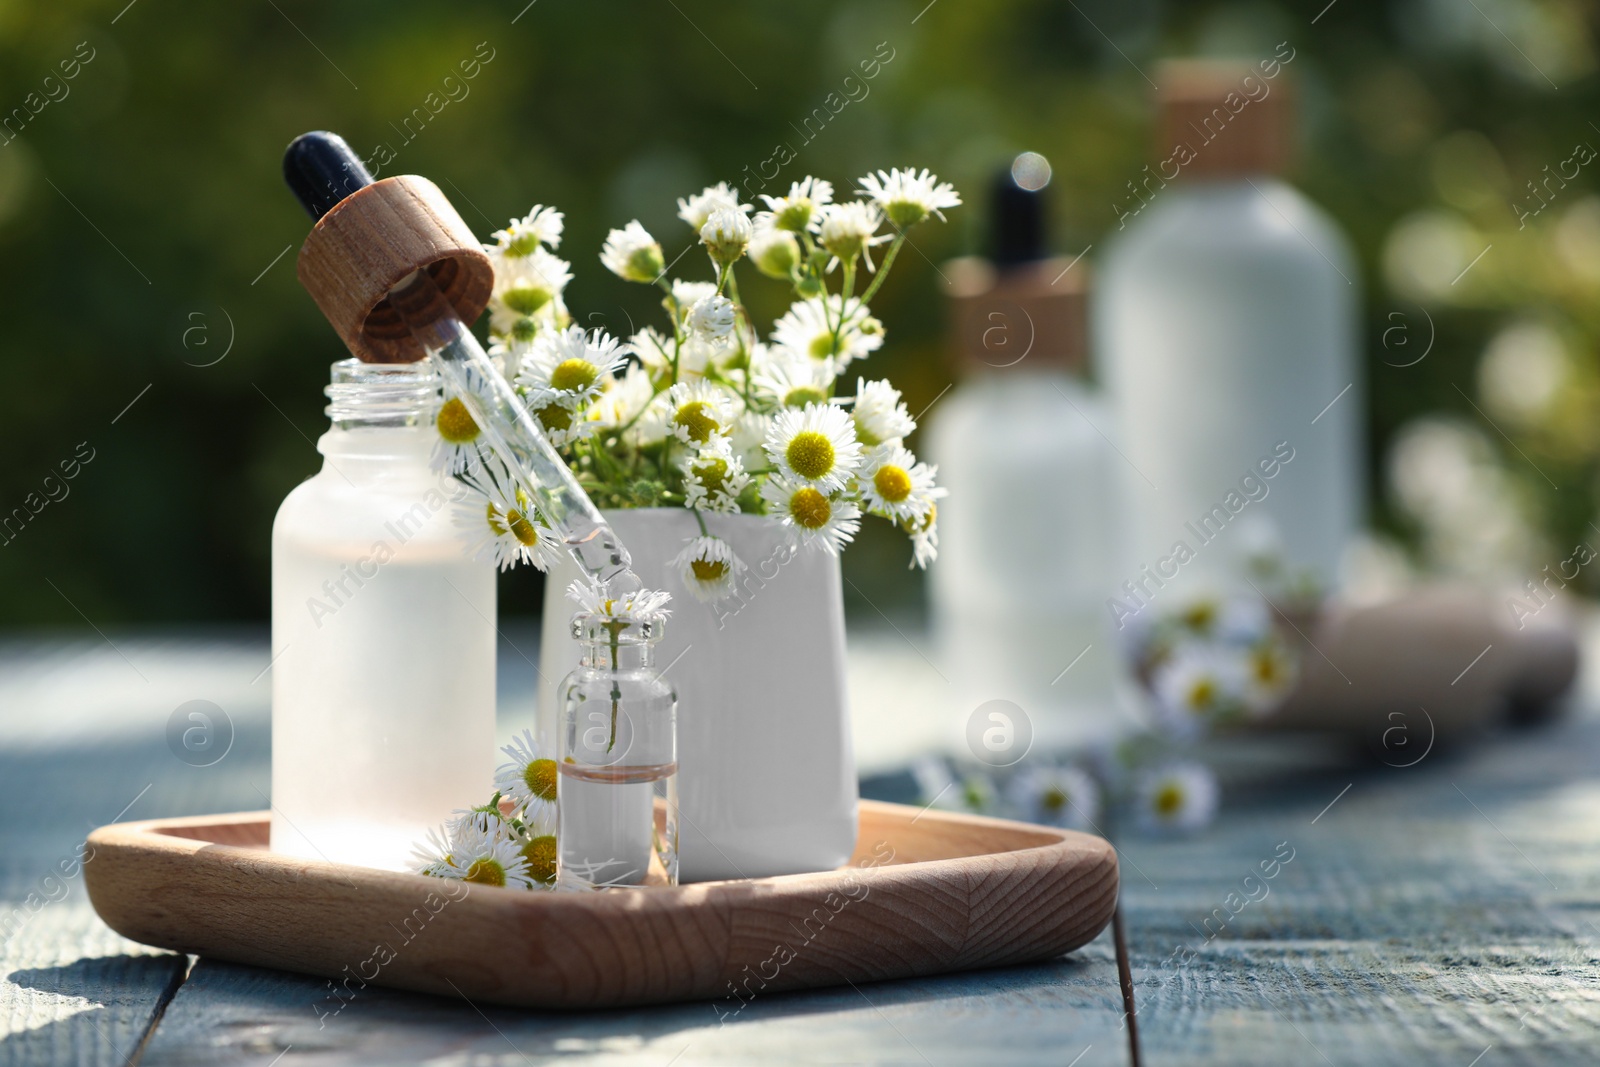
322,170
1018,211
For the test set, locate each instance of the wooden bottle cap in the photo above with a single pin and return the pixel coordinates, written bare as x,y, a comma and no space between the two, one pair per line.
1222,119
1029,314
375,237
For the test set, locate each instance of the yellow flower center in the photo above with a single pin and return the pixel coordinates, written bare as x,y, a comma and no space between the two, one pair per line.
892,483
573,375
1200,616
554,417
1202,693
711,474
540,777
1053,800
810,454
1168,800
696,418
823,345
1268,671
541,856
524,328
810,509
708,570
455,422
522,244
526,299
486,872
802,395
522,528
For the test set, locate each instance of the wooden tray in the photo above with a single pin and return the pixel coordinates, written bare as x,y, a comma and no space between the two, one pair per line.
927,892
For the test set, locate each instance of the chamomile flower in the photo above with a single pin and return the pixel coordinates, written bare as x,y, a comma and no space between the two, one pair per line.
812,329
632,254
560,423
848,231
881,416
457,446
1198,685
801,209
537,846
526,288
726,235
793,382
528,780
774,251
1270,671
653,349
489,857
593,598
569,368
686,295
622,399
1244,620
749,431
815,446
907,196
896,486
708,568
697,412
432,856
713,478
1178,797
924,539
540,226
711,318
504,528
1056,796
697,210
814,517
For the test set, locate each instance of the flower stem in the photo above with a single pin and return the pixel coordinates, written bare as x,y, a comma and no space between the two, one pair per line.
883,271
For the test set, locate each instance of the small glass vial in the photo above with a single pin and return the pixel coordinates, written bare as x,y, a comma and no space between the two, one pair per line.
618,782
383,634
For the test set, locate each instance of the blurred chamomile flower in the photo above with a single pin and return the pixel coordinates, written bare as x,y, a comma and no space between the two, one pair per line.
850,230
697,210
812,329
540,226
1198,685
800,210
1056,796
632,254
907,196
1178,797
881,416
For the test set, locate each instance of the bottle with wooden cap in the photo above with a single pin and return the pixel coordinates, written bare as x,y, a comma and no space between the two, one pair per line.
383,631
1226,326
1024,444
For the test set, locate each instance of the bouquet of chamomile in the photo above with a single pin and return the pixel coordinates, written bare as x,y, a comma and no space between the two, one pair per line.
700,412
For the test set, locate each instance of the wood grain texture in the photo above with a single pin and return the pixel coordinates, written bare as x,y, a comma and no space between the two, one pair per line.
927,892
372,239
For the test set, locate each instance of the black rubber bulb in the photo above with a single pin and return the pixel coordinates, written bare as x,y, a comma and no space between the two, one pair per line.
322,170
1017,222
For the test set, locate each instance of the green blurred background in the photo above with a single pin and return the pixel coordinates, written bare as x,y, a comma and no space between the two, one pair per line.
142,210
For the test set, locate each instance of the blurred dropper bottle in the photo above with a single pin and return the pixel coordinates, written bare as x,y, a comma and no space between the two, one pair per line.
1226,333
1023,442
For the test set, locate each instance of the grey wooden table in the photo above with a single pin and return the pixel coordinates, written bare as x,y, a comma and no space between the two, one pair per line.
1443,913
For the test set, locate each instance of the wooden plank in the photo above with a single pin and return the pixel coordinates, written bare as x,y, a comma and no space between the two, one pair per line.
227,1014
1431,914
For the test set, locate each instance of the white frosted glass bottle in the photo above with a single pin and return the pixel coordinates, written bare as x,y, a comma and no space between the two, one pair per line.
1226,329
383,635
1027,534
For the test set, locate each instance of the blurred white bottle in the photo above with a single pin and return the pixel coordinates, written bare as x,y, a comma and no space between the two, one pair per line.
1023,443
1226,330
383,635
